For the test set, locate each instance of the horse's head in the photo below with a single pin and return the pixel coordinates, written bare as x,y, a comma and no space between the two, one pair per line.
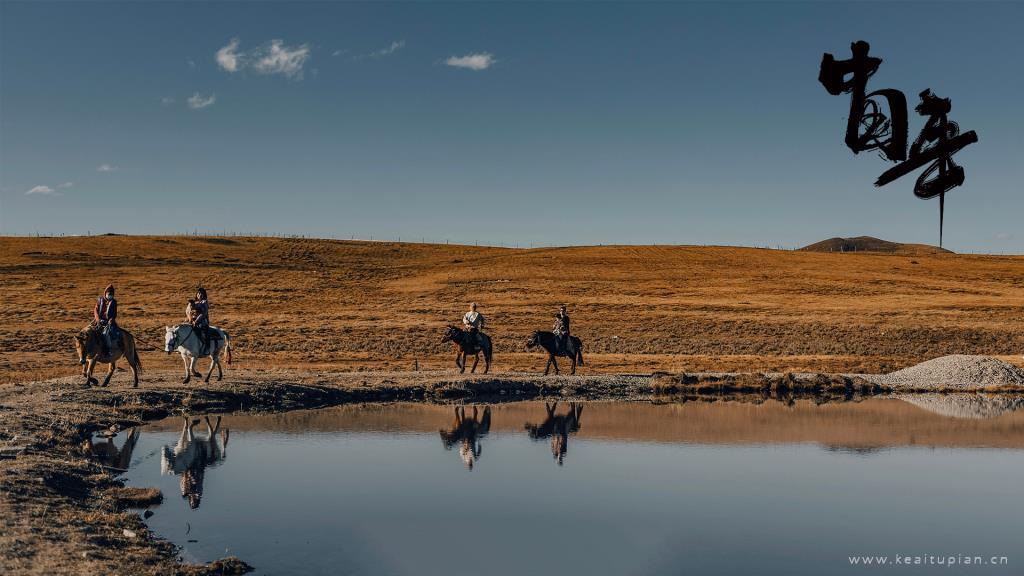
533,341
170,339
81,341
450,334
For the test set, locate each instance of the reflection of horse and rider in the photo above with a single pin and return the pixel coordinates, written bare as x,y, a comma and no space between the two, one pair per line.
557,427
467,432
192,455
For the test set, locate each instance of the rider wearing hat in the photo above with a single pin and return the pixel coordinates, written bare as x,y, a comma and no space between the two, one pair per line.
105,316
199,315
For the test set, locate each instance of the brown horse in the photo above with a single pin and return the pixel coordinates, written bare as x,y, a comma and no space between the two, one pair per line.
465,345
89,345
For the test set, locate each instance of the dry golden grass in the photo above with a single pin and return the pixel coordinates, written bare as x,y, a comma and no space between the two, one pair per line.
369,305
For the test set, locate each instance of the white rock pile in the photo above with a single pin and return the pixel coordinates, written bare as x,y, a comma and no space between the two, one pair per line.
957,371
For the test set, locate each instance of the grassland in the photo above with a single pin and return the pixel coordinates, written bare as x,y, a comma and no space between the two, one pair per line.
344,305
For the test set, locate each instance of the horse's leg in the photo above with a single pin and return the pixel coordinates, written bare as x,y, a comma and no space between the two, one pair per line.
213,362
476,360
573,364
113,366
547,367
554,362
487,363
460,362
89,380
220,369
188,368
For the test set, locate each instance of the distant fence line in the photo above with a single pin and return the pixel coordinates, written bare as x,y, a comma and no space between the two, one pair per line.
395,239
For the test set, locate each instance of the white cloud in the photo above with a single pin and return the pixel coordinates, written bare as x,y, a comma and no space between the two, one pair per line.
229,58
43,191
167,100
106,168
391,49
197,101
339,52
478,61
280,59
66,185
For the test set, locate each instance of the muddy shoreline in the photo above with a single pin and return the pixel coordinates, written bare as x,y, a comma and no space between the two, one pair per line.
63,513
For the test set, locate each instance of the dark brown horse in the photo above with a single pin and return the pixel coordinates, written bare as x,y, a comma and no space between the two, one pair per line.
466,344
89,345
549,342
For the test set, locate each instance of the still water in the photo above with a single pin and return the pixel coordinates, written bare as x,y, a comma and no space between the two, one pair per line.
595,488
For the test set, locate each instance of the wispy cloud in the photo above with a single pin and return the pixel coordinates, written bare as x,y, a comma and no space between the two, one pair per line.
42,191
106,168
477,61
65,185
167,100
339,52
197,101
228,57
390,49
273,58
280,59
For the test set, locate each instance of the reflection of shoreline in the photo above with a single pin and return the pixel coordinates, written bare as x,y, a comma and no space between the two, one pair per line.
875,422
965,405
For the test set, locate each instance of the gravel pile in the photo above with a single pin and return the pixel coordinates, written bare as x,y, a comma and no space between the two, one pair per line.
970,405
958,371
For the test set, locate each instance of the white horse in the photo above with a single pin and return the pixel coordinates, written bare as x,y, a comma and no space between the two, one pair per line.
186,339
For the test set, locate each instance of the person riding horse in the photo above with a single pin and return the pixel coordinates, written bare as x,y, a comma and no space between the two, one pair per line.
198,312
105,317
561,328
474,322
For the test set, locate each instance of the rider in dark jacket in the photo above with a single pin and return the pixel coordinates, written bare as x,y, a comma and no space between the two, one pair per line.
561,328
104,313
199,315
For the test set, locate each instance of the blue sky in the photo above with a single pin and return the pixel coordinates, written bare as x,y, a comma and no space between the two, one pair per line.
544,123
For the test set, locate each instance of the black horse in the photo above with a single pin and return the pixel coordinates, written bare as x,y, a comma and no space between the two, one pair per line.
549,342
466,344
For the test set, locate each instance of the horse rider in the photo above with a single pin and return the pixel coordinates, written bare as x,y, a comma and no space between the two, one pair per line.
474,321
105,316
561,328
198,312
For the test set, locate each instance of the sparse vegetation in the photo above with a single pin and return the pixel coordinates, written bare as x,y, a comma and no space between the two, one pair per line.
370,305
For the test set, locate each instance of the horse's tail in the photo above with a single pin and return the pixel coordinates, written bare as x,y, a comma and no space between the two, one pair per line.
579,352
132,353
227,345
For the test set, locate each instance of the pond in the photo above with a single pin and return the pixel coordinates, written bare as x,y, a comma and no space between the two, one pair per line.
597,488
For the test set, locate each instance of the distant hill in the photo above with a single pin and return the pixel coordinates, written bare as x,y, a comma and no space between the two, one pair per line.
869,244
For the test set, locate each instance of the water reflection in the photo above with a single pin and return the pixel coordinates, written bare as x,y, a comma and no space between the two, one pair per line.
109,455
558,428
467,432
966,405
192,455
